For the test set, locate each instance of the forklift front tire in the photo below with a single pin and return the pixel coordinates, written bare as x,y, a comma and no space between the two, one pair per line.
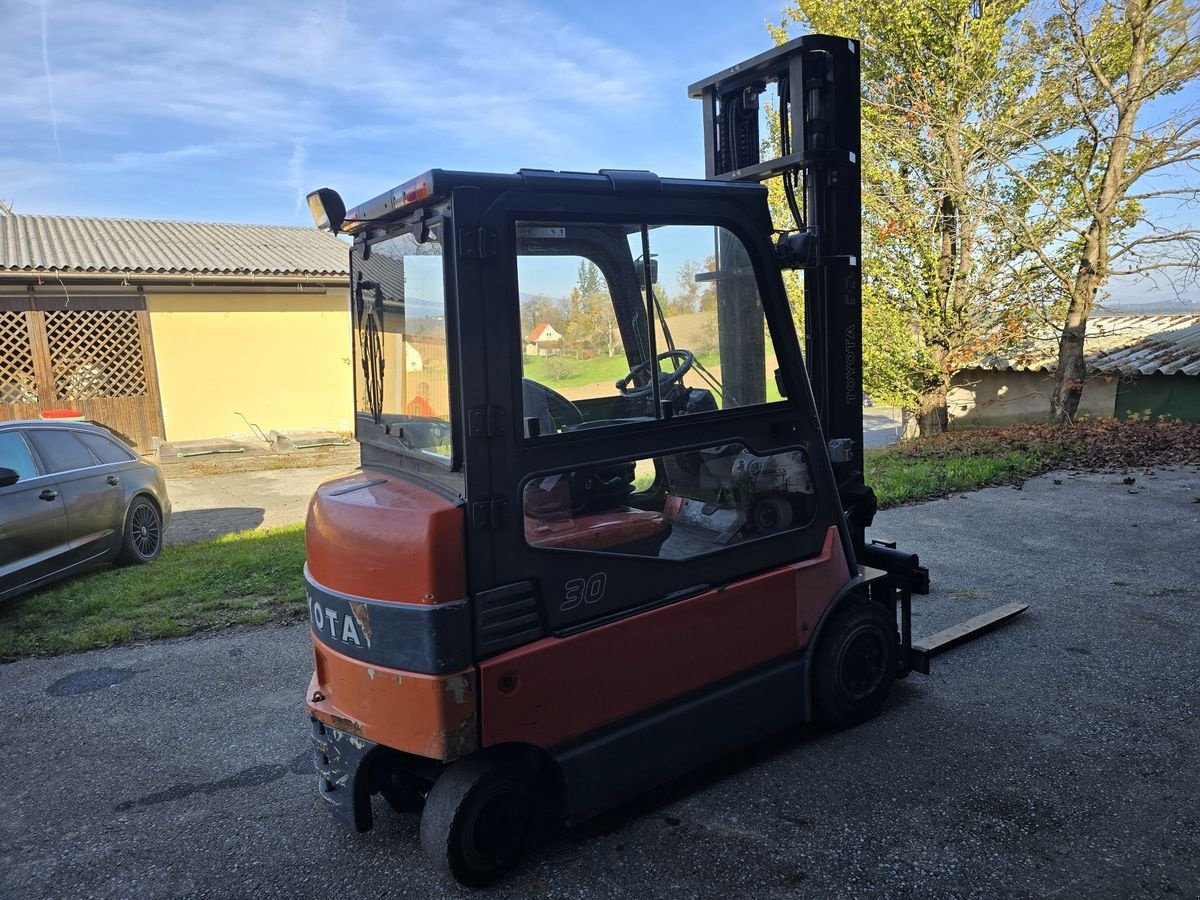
478,819
855,664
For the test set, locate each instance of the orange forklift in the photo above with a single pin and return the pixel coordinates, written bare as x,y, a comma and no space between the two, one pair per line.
547,589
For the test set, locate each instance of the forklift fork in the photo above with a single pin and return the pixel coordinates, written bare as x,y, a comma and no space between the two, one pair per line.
905,577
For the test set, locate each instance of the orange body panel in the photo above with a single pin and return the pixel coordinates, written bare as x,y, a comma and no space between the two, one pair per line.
392,540
556,689
429,715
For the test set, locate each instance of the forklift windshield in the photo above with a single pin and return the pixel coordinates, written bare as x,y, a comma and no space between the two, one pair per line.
401,378
610,340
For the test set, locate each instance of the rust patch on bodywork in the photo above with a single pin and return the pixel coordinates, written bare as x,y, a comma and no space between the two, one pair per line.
341,723
458,686
362,615
458,741
428,715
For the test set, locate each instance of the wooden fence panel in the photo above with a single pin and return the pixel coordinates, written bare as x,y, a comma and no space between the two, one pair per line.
95,360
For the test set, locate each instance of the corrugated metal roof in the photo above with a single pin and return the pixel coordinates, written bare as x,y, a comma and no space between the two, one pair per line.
1116,345
71,244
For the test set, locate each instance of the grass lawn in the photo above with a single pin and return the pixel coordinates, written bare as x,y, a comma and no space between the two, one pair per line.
973,458
566,372
899,479
249,578
254,577
560,372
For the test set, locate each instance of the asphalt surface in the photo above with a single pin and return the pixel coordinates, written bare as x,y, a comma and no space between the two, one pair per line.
882,426
1058,757
210,505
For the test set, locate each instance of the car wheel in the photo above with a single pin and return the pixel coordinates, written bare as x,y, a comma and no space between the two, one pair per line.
478,819
855,663
142,540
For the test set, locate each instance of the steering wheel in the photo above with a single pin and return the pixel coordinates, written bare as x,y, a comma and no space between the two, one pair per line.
683,360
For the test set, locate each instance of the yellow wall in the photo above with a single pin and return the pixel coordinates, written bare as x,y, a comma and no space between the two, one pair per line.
283,360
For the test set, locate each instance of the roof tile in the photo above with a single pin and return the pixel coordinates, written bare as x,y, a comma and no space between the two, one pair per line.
1116,345
74,244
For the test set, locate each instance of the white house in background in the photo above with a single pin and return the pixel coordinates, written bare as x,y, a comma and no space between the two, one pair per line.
544,340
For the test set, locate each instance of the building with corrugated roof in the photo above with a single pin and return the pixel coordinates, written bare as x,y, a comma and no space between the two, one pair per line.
174,330
1136,366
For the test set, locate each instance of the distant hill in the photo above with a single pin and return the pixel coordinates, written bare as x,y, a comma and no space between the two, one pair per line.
1169,307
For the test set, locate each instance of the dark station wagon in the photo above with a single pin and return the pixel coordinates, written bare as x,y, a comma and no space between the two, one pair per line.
72,496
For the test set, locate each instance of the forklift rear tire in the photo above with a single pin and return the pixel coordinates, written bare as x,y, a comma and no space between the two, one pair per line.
855,663
478,819
402,792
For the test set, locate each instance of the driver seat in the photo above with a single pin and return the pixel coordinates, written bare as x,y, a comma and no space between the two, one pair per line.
567,512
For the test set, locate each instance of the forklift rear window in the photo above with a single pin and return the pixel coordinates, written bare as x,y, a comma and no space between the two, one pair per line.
588,352
401,375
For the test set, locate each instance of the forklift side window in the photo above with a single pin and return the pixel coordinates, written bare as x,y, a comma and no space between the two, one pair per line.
401,373
589,349
673,507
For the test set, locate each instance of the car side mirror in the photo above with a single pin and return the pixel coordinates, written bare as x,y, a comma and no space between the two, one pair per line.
9,476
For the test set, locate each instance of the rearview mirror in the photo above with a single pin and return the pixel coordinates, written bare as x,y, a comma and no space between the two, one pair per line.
9,476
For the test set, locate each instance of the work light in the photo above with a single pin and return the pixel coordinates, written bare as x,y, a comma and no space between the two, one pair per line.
327,209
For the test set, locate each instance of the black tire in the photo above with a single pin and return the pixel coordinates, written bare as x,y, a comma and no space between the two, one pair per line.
142,538
402,792
771,514
478,819
855,663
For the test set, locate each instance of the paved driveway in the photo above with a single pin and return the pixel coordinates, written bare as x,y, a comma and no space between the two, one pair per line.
882,426
207,506
1057,757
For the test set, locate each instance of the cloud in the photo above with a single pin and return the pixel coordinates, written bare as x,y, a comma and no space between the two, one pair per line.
295,179
296,69
141,87
49,80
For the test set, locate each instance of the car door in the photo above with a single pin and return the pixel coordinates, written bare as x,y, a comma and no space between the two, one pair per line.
91,491
33,520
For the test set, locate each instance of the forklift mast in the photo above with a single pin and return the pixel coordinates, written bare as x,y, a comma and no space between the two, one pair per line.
817,84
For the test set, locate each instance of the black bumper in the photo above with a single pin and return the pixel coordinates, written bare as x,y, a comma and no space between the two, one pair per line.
343,778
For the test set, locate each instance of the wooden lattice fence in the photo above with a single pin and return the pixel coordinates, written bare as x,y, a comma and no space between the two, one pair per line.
89,354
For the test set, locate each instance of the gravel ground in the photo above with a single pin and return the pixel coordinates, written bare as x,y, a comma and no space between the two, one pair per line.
1057,757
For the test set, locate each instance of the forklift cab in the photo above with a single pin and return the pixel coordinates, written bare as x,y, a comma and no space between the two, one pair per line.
575,543
660,445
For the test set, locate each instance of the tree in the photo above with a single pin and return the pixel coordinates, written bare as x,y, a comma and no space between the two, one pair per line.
939,79
589,279
593,324
1092,206
694,296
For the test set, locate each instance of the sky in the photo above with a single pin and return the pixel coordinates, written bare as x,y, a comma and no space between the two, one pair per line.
233,111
